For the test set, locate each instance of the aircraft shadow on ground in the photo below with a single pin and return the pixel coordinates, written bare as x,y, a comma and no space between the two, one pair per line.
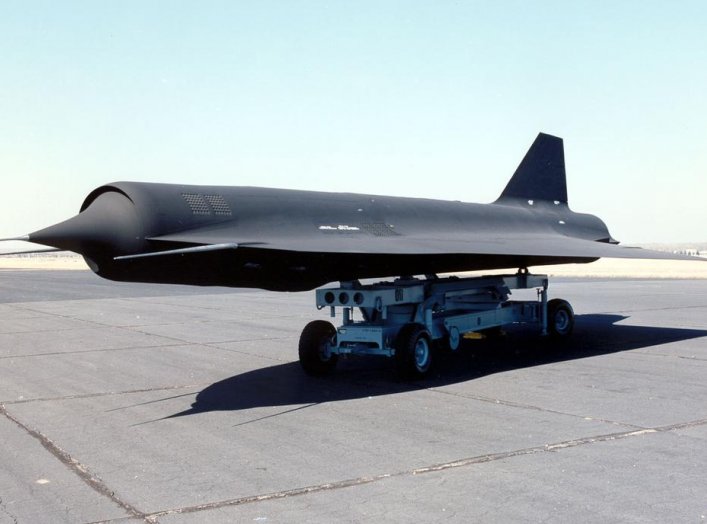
287,385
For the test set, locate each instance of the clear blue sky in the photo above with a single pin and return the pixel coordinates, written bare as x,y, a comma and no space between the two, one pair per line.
432,99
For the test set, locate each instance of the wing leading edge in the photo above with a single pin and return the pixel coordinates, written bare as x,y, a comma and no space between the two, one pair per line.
555,246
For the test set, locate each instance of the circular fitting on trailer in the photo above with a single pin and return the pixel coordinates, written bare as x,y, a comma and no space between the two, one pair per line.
358,298
329,297
422,353
344,298
561,322
454,338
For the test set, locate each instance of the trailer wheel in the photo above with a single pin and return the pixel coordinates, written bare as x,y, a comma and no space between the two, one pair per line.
560,318
315,355
413,352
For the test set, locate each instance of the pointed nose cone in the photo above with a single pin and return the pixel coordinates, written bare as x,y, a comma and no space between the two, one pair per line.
107,227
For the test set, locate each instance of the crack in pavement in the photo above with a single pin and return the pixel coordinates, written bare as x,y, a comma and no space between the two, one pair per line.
98,350
470,461
668,355
141,329
3,509
212,344
136,326
531,407
65,317
651,309
101,394
74,465
133,513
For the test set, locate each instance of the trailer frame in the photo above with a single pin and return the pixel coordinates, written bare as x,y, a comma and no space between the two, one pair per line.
409,317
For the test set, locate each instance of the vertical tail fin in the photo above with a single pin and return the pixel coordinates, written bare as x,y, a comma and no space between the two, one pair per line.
540,175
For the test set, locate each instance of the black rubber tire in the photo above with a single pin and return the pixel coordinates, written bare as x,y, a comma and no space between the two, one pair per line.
312,354
413,352
560,318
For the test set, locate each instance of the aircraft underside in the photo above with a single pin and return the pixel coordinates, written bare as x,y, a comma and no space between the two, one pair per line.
299,271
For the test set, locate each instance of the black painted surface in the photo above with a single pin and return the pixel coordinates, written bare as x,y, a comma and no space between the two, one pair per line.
289,240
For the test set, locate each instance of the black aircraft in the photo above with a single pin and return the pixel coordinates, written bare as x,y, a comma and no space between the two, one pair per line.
288,240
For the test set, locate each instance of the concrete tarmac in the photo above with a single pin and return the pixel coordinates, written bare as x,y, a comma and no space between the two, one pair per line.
128,402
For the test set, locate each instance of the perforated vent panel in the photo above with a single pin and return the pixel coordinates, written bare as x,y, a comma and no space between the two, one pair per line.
218,204
207,204
197,203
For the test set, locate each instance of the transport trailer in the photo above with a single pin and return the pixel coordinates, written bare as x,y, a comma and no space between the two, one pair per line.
408,318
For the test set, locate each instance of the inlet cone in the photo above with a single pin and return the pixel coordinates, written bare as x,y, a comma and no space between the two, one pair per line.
109,226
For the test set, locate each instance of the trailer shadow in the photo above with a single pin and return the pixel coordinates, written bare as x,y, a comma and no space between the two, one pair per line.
287,385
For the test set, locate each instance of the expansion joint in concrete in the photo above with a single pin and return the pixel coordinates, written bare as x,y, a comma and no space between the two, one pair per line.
75,466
